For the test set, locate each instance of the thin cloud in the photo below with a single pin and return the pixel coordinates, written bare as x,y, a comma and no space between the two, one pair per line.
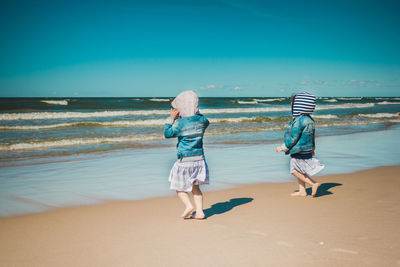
209,86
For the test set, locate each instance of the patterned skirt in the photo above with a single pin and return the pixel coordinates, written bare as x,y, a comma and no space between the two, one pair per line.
310,167
186,173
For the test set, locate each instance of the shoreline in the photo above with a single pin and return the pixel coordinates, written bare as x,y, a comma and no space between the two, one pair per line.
132,175
206,189
353,221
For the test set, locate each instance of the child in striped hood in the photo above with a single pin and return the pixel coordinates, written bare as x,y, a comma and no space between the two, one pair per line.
299,142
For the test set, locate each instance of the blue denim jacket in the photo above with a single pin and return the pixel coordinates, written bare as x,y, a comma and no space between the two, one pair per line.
190,131
299,135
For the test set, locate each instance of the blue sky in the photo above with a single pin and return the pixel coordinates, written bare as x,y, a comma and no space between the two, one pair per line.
218,48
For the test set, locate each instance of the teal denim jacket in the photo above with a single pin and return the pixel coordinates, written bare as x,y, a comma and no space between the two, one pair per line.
190,131
299,135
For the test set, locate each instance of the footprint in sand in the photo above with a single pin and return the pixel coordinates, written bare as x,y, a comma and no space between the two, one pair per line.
342,250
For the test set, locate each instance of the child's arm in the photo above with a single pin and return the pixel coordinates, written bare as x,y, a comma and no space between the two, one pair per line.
313,143
171,129
206,123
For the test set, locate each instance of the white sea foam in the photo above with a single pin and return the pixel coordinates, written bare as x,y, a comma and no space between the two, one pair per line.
68,115
76,142
284,108
270,100
355,123
231,120
247,102
56,102
344,106
37,127
130,123
330,100
349,98
380,115
329,116
159,99
388,103
244,110
100,114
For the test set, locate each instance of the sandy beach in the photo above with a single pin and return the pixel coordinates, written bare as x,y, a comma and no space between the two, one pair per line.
353,221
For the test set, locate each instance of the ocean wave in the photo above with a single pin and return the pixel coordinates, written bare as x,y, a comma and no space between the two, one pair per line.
270,100
278,125
131,123
356,123
388,103
134,123
76,142
159,99
55,102
69,115
246,102
387,98
284,108
100,114
349,98
328,116
345,106
330,100
161,122
87,124
380,115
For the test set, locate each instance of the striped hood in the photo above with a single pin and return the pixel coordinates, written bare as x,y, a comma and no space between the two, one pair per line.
303,103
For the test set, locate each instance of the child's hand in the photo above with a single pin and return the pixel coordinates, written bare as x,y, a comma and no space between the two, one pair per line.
279,149
174,113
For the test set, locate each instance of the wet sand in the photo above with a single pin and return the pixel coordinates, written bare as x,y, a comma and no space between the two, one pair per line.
353,221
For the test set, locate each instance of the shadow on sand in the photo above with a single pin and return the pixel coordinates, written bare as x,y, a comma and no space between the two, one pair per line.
222,207
323,189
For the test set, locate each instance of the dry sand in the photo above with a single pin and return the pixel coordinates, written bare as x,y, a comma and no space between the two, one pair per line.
354,221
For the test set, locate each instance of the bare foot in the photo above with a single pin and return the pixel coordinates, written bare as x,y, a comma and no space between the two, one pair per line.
314,189
187,212
298,194
199,216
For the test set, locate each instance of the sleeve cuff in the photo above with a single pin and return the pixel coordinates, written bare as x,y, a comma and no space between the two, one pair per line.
284,147
169,120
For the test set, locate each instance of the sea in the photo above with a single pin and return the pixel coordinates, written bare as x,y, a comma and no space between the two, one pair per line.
58,152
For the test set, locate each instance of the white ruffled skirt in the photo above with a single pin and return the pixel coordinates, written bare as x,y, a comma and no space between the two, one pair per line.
186,173
310,166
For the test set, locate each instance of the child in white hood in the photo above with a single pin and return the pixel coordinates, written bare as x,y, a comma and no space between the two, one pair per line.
190,170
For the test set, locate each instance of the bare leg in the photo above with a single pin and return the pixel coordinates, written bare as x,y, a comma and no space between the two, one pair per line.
304,178
198,202
302,189
184,197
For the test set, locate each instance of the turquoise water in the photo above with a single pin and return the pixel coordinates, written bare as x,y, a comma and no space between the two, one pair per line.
137,173
32,129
